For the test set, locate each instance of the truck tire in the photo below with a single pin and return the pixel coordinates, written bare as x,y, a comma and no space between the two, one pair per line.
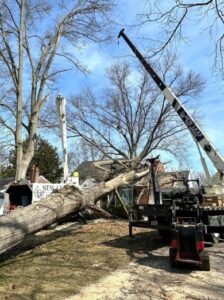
172,256
213,237
205,261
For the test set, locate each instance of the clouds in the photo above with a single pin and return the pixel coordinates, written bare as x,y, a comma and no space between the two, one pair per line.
194,54
95,61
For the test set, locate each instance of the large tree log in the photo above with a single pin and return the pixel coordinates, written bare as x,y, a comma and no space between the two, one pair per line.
21,222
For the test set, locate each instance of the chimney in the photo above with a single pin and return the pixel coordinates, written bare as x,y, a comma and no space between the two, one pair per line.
34,175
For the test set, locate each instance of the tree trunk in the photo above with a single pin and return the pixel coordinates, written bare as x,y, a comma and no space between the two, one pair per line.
21,222
25,162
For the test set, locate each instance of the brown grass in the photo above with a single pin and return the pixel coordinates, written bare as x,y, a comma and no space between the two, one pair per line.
58,263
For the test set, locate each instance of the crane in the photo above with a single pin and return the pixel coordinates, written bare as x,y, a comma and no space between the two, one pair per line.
187,217
197,133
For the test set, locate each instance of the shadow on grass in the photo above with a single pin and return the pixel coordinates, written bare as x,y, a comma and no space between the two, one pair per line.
145,249
32,241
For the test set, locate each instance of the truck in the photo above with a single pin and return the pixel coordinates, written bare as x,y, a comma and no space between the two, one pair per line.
188,216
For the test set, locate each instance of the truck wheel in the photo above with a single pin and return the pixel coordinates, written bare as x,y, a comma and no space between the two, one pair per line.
165,235
205,261
213,237
172,257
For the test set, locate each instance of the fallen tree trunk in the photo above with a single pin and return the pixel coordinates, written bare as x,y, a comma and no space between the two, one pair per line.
22,222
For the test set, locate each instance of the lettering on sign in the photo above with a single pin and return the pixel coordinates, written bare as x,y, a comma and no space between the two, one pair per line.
190,124
42,190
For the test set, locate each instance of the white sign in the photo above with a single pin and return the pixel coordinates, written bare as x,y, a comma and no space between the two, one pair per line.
42,190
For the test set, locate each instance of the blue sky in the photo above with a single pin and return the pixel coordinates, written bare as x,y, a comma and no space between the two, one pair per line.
194,54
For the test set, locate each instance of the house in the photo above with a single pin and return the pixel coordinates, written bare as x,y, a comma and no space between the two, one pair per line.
93,172
104,172
3,183
140,191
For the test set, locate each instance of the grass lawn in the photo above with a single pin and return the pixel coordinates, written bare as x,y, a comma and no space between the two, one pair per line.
56,264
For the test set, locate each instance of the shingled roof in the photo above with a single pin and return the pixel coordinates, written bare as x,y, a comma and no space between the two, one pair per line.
165,179
5,181
88,170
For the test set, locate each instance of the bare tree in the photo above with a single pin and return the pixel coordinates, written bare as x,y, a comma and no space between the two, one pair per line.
37,41
82,151
3,157
173,17
131,118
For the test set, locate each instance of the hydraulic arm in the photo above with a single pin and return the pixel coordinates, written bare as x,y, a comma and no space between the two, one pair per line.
195,130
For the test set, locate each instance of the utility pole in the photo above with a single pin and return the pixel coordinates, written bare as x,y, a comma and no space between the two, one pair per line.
61,107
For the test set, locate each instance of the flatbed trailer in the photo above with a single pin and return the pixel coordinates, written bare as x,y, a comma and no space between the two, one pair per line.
157,215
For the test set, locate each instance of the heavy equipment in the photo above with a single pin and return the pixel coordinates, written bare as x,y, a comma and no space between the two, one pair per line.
188,216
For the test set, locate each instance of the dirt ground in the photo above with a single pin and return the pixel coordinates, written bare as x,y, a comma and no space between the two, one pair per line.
99,261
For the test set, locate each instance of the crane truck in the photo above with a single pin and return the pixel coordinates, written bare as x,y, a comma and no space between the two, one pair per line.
182,215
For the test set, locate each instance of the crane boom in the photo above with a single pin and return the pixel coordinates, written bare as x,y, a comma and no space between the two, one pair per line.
191,124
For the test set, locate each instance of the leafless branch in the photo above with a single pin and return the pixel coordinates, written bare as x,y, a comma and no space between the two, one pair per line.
132,120
174,16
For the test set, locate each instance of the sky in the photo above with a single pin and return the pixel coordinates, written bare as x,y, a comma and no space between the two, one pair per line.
195,54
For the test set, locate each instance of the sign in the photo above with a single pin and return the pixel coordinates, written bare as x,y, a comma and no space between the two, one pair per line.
42,190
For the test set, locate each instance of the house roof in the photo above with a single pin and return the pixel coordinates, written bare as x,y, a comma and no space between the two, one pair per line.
5,181
165,179
42,179
88,170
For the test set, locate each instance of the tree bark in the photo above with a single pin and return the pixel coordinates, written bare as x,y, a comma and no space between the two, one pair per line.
22,222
